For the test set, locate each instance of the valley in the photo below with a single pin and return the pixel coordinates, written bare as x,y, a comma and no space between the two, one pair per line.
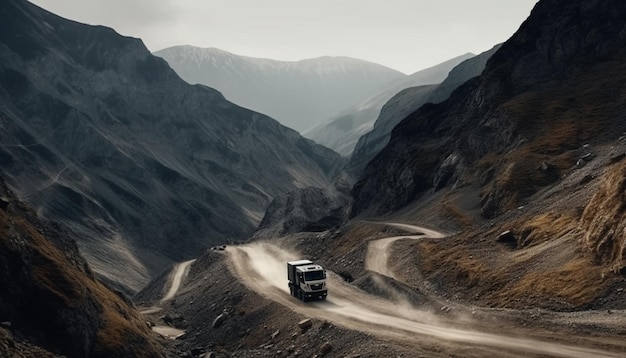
149,205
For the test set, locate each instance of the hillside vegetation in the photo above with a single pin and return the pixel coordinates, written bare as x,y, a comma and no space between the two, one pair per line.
52,299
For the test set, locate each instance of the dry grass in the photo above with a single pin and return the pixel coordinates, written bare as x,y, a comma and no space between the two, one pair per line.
553,122
121,331
545,227
575,284
548,269
355,236
604,220
451,209
50,266
457,264
487,161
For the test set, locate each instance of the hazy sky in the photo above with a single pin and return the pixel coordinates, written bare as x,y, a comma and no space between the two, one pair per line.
407,35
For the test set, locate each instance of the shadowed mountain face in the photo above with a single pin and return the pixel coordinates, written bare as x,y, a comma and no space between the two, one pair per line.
141,167
298,94
554,86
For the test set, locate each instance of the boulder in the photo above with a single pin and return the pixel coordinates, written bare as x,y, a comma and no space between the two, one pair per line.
275,334
219,320
4,203
197,351
508,238
168,320
305,324
325,348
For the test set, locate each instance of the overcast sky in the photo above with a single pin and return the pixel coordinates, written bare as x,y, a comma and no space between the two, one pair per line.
407,35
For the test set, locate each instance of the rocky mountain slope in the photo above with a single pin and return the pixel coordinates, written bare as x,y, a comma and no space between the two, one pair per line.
51,303
140,167
408,101
298,94
464,71
342,131
524,164
550,89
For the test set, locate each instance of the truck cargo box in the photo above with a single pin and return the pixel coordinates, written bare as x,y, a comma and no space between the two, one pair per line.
291,268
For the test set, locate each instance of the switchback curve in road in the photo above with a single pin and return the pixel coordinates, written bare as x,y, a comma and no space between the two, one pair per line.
175,280
377,257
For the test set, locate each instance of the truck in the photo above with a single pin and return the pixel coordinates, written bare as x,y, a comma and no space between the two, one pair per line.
307,281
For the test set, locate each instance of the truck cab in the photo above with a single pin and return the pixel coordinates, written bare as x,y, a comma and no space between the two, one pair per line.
307,281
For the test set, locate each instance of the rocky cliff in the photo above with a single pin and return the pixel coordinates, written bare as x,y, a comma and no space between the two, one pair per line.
465,70
50,298
554,86
142,168
408,101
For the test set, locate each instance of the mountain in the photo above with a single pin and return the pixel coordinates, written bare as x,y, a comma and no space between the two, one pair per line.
397,108
551,91
50,300
515,185
524,166
140,167
410,100
342,131
313,209
298,94
464,71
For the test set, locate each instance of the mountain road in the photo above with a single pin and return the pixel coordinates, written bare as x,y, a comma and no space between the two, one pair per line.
174,281
261,266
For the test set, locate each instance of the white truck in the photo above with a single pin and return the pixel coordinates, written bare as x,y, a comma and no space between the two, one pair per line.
307,281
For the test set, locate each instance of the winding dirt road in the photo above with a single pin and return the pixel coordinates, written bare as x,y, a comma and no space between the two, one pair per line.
175,279
262,268
179,273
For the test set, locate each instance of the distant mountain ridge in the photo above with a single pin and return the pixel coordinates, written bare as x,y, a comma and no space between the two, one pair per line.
299,94
342,132
410,100
140,167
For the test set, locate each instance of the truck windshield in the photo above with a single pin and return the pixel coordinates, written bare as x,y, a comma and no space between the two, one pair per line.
314,275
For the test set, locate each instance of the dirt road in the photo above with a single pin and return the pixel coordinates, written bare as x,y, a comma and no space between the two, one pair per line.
262,268
179,272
